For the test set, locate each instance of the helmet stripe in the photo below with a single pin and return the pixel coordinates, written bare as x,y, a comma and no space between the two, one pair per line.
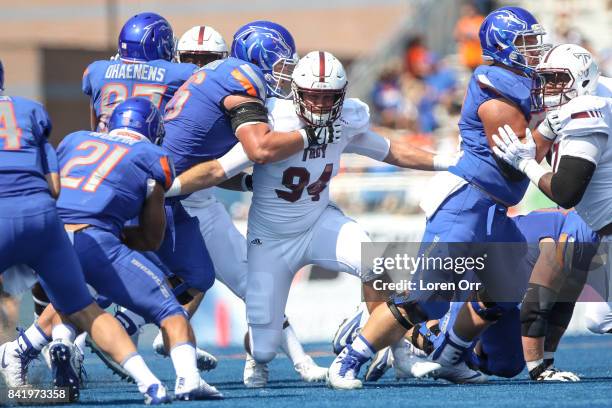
201,35
321,66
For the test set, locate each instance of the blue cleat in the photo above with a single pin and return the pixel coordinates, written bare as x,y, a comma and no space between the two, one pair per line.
381,362
349,329
156,394
66,367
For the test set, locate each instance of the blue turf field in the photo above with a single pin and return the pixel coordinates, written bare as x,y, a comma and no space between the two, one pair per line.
589,356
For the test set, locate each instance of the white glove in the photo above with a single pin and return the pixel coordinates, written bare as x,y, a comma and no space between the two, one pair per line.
115,57
512,150
316,136
549,128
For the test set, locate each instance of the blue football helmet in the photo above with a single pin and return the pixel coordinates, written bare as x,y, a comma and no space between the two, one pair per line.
271,47
1,77
139,115
513,37
146,37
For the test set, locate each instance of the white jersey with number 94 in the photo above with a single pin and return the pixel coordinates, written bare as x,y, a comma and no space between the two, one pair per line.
290,195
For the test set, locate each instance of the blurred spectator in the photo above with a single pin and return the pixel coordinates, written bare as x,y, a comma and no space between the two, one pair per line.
466,35
391,108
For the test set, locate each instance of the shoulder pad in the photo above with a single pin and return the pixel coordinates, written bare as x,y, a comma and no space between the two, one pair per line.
244,78
507,84
604,87
282,116
355,116
584,115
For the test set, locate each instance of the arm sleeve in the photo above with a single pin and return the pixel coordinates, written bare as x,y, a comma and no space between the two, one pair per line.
234,161
369,144
571,180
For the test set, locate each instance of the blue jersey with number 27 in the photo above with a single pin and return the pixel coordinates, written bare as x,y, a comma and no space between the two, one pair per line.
110,82
105,177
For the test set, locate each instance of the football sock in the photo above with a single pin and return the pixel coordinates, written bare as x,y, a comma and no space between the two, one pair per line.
291,345
184,360
139,371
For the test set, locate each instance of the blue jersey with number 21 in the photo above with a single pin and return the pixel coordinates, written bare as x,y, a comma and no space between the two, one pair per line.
105,177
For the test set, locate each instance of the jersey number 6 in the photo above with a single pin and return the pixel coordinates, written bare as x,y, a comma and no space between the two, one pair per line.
302,175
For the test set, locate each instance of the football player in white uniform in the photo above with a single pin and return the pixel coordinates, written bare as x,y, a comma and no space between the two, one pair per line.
291,220
578,102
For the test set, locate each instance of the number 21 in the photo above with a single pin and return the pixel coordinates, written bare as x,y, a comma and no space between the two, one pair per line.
100,173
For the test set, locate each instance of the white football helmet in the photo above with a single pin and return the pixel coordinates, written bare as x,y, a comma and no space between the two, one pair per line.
201,45
567,71
319,85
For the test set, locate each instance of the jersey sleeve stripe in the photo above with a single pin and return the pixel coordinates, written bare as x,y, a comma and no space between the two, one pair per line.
252,75
167,171
246,84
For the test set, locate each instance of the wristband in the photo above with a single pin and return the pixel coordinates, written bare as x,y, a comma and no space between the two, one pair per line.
175,188
532,170
443,161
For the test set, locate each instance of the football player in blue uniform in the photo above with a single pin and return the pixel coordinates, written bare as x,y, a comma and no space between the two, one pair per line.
557,271
108,180
144,68
471,208
31,233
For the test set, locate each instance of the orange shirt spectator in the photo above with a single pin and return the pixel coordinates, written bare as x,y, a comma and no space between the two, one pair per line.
466,34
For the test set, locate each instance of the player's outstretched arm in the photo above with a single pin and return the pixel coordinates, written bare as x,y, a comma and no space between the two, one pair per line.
249,119
212,173
51,169
398,153
149,234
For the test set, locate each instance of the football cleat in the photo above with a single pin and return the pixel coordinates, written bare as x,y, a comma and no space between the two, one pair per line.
202,391
255,374
310,371
404,359
66,366
382,361
115,367
348,330
205,361
156,394
447,363
553,374
343,372
15,359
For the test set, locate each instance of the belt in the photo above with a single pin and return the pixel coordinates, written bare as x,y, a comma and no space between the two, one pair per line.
76,227
607,230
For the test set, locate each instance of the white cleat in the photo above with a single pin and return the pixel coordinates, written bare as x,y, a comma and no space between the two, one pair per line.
553,374
310,371
201,391
14,363
255,374
458,373
404,359
205,360
381,362
343,372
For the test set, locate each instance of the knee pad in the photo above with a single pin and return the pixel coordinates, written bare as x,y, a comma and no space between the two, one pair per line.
264,343
561,314
536,310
